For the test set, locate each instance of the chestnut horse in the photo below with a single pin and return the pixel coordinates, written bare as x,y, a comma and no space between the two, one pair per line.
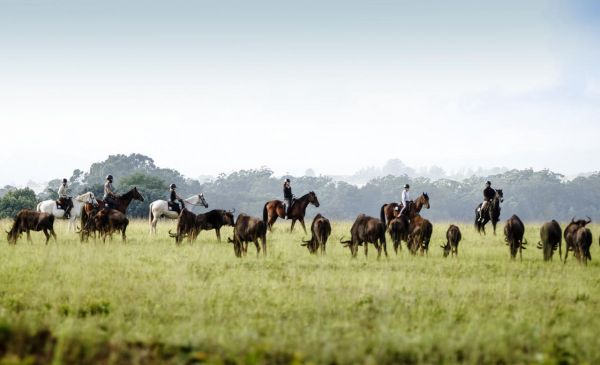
274,209
389,212
123,202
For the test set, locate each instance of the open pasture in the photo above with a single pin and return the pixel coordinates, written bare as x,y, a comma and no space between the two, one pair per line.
148,301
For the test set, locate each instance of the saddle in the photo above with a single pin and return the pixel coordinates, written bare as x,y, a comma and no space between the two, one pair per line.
63,203
174,207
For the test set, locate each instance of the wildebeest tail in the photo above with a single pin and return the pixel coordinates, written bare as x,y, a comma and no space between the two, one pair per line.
382,213
265,213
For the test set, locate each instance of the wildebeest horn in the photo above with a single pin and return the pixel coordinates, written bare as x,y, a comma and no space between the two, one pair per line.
232,211
589,220
539,245
229,240
573,220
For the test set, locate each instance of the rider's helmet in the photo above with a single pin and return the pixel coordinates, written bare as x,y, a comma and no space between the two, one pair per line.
173,186
109,177
406,186
287,180
64,181
488,183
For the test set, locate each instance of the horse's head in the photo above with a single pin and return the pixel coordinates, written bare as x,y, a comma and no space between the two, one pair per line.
312,198
500,195
424,198
136,194
202,201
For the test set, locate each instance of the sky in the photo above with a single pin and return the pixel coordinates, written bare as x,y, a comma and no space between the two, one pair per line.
215,86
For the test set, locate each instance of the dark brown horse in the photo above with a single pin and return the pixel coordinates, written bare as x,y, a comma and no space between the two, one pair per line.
492,213
123,202
389,211
274,209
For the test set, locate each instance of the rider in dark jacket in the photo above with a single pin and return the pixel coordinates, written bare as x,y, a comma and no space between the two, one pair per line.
287,195
173,198
488,195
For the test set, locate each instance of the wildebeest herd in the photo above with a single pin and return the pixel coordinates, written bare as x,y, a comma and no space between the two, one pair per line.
400,224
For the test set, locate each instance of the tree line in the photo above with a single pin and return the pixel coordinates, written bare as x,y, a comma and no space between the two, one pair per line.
533,195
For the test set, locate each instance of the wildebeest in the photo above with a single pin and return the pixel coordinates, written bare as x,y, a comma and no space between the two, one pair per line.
551,239
111,221
274,209
186,226
248,229
399,229
366,230
215,219
569,235
514,230
453,237
320,229
583,242
122,203
492,213
419,237
28,220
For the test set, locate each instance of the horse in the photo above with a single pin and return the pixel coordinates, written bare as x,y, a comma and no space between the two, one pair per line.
123,202
492,213
274,209
50,207
160,208
390,211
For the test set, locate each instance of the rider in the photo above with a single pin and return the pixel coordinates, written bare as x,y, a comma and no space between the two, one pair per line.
173,198
287,196
63,199
488,195
406,201
110,198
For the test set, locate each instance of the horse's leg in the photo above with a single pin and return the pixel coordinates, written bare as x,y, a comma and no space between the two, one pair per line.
303,226
293,223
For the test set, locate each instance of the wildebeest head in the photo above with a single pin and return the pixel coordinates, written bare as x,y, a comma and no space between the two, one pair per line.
581,222
312,198
446,249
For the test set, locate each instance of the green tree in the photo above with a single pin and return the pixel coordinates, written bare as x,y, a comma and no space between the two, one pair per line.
15,200
151,188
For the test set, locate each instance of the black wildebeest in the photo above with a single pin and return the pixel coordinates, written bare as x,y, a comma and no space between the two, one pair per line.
321,230
366,230
583,242
123,202
186,226
274,209
392,210
215,219
569,235
248,229
28,220
399,229
419,237
514,230
110,221
551,239
453,237
492,213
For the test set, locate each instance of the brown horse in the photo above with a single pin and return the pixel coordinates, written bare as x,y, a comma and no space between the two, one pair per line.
389,211
296,212
123,202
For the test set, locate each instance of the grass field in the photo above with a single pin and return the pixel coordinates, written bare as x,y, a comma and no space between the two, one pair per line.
148,301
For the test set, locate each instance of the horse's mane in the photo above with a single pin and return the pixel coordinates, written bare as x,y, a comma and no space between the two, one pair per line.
128,194
82,197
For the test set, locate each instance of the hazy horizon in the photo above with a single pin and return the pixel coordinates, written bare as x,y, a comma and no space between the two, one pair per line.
209,87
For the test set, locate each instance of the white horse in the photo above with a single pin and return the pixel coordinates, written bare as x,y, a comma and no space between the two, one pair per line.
160,208
49,206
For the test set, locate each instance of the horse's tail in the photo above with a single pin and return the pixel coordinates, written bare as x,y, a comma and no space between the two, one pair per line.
266,214
38,208
382,214
150,214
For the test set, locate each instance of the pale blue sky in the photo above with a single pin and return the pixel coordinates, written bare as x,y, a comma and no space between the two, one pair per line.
208,87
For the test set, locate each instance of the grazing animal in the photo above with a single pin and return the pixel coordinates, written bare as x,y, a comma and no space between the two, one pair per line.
321,230
399,228
186,227
215,219
160,208
248,229
514,230
274,209
421,230
492,213
50,207
28,220
453,237
111,221
583,242
569,235
551,239
366,230
123,202
392,210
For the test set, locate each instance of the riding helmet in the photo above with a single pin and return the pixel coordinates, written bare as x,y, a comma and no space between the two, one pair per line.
287,180
64,181
109,177
406,186
488,183
173,186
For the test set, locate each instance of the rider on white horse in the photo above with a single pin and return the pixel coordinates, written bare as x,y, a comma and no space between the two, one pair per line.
173,198
64,201
160,208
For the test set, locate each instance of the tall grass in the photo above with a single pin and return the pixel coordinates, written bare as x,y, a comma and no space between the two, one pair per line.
149,301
